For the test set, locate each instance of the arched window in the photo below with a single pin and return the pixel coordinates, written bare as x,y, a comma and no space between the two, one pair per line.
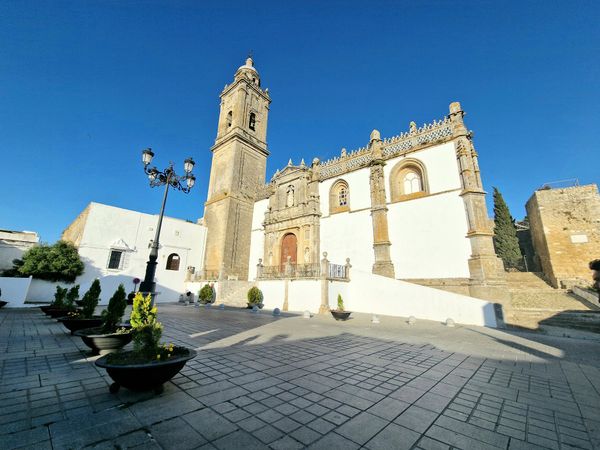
252,121
408,180
229,118
412,182
173,262
339,197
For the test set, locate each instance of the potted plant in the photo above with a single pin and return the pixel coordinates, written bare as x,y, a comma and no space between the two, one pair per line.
111,336
340,313
206,295
255,298
150,364
58,307
84,318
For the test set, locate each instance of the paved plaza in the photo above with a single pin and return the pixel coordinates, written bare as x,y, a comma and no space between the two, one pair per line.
290,383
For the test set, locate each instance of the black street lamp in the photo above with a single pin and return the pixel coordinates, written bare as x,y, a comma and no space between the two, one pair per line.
168,178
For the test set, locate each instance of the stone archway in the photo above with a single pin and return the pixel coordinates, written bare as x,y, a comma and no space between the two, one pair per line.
289,247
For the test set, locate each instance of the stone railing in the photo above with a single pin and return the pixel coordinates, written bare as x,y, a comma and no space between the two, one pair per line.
290,270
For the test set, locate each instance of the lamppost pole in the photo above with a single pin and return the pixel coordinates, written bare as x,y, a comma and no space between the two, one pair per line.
168,178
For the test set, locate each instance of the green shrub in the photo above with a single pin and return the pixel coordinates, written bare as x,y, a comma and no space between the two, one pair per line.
113,314
255,296
72,297
90,299
206,294
340,303
59,297
58,262
146,329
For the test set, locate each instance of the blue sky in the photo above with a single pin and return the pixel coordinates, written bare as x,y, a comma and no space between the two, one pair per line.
86,85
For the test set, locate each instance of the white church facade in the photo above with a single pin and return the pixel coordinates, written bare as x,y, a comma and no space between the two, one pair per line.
410,207
397,227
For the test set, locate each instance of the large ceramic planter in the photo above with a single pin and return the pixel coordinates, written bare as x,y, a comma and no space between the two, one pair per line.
55,313
74,323
3,303
144,376
103,343
340,315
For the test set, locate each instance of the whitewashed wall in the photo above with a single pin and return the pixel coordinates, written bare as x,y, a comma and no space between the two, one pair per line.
428,237
257,237
107,226
14,291
348,235
375,294
428,234
303,295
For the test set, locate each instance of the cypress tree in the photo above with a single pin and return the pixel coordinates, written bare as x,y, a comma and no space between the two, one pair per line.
505,234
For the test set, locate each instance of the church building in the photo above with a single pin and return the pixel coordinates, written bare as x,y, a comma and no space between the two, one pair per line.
409,207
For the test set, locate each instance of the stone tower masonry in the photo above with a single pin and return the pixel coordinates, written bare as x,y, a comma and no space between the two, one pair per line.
238,169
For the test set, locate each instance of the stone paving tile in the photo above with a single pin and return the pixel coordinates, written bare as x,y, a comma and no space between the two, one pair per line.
381,388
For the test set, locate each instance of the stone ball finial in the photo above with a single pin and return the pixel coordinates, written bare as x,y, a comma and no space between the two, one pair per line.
260,260
375,135
316,161
412,126
455,107
324,254
344,152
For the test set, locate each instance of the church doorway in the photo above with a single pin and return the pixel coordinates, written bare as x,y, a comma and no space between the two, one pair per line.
289,247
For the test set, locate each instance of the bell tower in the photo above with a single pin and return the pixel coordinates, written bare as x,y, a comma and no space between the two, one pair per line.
238,169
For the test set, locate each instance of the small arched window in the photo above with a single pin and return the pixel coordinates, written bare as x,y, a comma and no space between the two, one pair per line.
408,180
252,121
229,118
173,262
339,197
412,182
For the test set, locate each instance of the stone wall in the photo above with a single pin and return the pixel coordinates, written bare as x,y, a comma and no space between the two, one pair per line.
565,228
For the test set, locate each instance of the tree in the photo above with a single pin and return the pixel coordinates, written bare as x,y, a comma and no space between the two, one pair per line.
505,234
58,262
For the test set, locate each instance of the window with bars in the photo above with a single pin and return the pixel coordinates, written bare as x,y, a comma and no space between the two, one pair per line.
115,259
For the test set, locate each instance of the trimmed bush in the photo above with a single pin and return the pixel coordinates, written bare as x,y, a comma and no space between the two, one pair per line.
340,303
206,294
59,297
90,299
72,297
255,297
113,314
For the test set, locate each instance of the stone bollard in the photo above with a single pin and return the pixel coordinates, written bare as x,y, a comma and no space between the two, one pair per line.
222,306
306,314
276,312
449,322
255,309
412,320
374,319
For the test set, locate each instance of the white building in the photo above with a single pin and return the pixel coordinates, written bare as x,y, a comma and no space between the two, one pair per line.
114,245
13,244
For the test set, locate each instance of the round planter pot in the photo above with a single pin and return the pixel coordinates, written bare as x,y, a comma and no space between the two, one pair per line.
144,376
3,303
55,313
102,344
340,315
74,324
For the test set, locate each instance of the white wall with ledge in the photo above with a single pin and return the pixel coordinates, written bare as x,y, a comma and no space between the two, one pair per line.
257,237
375,294
428,236
14,291
109,228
